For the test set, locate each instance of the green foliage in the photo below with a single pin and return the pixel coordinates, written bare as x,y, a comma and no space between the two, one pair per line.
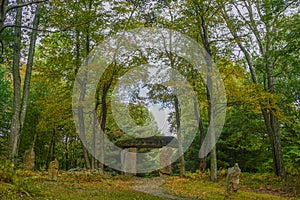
5,107
7,171
85,23
292,159
18,181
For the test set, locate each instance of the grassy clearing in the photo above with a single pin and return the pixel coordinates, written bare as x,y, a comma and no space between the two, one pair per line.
72,186
83,185
252,186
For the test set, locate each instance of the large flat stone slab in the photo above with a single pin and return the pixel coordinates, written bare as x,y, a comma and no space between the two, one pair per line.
150,142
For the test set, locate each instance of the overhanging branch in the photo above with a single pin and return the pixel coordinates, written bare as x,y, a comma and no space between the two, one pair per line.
24,4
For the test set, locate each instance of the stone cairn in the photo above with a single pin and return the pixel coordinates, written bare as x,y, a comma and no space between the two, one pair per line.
233,178
29,157
53,170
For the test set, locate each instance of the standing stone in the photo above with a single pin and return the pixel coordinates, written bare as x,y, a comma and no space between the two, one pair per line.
233,178
129,161
29,157
166,161
53,170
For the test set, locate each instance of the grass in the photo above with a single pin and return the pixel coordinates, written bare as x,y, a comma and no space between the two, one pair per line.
34,185
73,186
252,186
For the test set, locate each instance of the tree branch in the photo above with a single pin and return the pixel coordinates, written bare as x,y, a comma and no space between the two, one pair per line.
2,48
31,28
53,31
23,4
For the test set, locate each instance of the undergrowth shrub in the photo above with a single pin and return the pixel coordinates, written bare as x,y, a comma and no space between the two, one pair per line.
7,172
17,179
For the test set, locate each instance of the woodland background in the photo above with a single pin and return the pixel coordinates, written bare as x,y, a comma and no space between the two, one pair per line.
255,45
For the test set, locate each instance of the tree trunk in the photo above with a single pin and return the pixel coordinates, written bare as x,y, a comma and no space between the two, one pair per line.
271,122
209,95
204,34
102,120
3,7
202,162
31,51
211,130
80,108
15,124
51,151
67,153
180,150
273,132
29,65
86,156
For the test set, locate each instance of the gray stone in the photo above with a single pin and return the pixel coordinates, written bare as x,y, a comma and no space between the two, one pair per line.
29,157
233,178
128,156
53,170
166,161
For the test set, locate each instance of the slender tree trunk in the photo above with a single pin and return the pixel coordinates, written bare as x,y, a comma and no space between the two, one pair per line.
102,119
67,153
29,65
51,150
86,157
203,28
20,105
93,159
202,162
211,130
209,95
15,124
180,150
80,108
26,87
3,6
272,125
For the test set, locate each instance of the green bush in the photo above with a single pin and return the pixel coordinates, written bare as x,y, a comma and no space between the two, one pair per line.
7,172
18,184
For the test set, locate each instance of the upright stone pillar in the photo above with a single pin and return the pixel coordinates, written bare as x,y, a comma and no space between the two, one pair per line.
233,178
166,161
53,170
29,157
129,161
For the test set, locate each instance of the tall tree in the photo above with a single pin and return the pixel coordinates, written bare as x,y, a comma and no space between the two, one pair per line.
16,123
21,101
203,13
5,8
254,28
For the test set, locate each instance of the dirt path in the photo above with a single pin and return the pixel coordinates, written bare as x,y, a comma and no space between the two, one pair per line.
154,186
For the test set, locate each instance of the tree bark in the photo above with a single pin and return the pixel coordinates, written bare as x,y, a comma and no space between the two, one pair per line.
80,108
29,64
202,162
102,120
211,128
180,150
3,8
15,124
202,21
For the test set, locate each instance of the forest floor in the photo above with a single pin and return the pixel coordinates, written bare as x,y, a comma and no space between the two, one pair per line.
87,185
